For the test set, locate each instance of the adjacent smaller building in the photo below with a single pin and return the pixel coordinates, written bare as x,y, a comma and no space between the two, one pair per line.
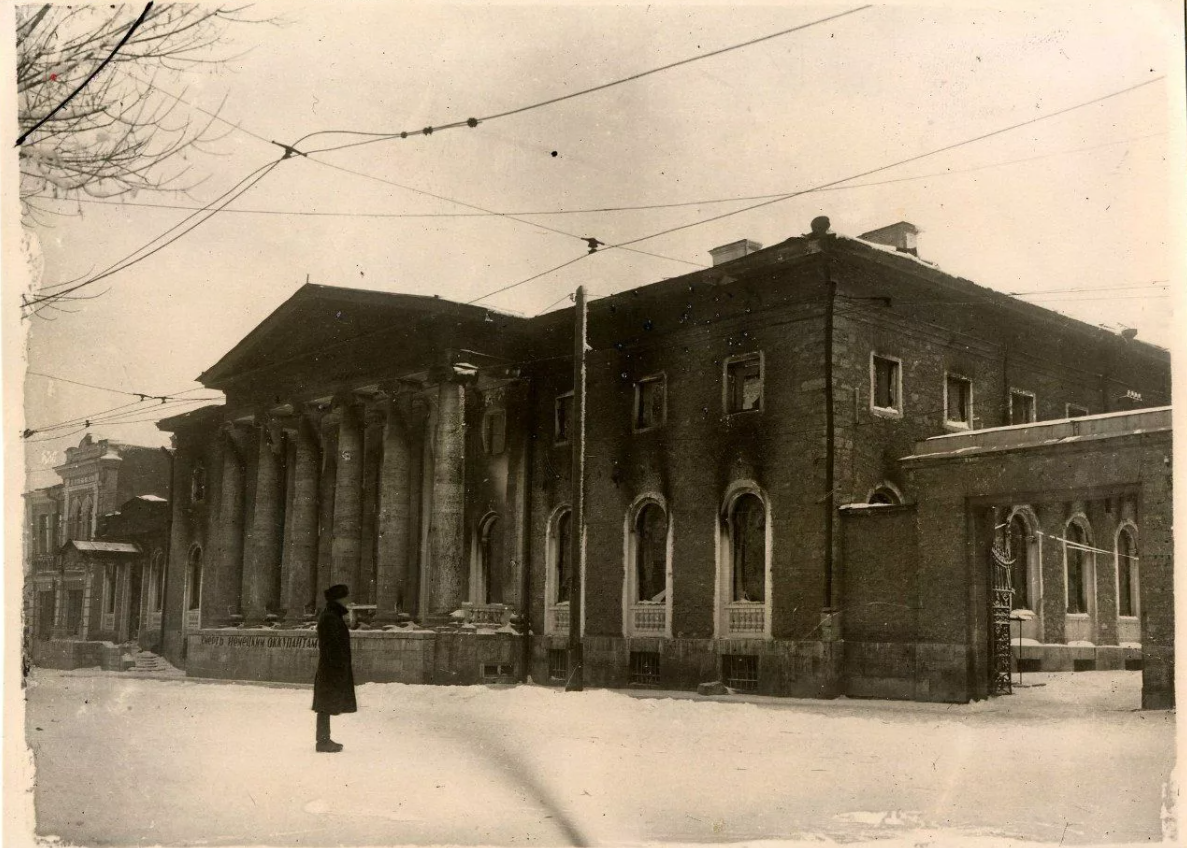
96,547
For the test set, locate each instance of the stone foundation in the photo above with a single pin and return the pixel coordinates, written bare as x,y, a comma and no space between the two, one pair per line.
378,656
784,667
66,653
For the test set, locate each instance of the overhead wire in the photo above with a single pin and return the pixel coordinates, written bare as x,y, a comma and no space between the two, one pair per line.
132,258
600,209
374,138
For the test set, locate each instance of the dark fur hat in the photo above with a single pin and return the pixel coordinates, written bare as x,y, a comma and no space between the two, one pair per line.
338,590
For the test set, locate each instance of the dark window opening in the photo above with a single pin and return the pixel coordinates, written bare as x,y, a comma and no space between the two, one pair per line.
45,615
558,664
651,553
1022,408
740,671
194,580
743,380
498,671
1127,560
109,590
1077,572
564,417
1076,411
886,383
748,547
198,485
649,403
494,431
74,612
959,409
644,669
486,560
1020,571
563,536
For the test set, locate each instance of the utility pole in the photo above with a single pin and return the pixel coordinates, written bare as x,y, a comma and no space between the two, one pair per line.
576,681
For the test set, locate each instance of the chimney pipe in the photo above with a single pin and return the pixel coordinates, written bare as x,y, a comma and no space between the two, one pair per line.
900,236
734,250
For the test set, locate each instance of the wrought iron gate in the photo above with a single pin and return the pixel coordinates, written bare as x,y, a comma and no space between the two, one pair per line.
1001,602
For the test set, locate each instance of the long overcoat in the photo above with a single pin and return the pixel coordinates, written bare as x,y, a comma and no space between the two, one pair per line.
333,687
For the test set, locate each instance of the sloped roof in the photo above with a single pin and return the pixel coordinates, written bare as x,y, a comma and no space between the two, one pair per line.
318,317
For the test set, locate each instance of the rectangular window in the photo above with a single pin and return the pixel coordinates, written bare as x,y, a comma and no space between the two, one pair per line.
109,590
494,431
958,400
74,612
558,664
743,383
1074,410
886,384
650,402
645,668
1022,407
564,418
740,671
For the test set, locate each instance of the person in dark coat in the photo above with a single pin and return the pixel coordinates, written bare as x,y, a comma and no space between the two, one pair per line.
333,687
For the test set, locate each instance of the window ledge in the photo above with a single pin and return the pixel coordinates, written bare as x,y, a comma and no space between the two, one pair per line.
648,429
732,413
956,425
1077,615
886,412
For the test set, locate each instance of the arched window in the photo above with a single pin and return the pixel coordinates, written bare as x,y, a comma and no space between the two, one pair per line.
650,533
748,549
198,484
1127,572
1078,568
885,493
487,575
84,530
193,586
1020,551
561,543
74,527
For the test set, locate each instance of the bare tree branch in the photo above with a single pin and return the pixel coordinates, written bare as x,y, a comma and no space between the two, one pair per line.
117,135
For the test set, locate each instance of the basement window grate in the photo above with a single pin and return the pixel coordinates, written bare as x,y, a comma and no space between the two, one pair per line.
1133,665
740,671
1083,665
645,668
558,664
1030,666
498,671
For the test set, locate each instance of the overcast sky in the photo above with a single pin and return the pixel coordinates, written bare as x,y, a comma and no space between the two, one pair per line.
1077,202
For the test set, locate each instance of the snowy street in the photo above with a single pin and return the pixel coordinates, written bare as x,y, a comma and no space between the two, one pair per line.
122,760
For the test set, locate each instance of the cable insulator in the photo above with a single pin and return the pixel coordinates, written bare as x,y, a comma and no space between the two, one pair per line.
403,135
427,131
471,122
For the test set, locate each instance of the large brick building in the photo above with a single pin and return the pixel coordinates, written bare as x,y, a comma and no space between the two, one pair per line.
418,449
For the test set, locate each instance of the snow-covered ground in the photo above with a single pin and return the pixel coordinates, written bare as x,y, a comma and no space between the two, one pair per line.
132,761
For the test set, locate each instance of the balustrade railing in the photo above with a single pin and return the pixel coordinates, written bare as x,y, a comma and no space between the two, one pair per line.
746,618
649,619
488,615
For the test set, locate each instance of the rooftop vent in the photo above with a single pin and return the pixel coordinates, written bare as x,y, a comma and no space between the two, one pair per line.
734,250
900,236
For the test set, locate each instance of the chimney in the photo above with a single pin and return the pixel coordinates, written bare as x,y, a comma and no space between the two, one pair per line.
734,250
900,236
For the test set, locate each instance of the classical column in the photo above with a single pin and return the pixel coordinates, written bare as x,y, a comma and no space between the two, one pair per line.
327,488
364,583
300,544
446,560
263,556
228,534
348,500
394,516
